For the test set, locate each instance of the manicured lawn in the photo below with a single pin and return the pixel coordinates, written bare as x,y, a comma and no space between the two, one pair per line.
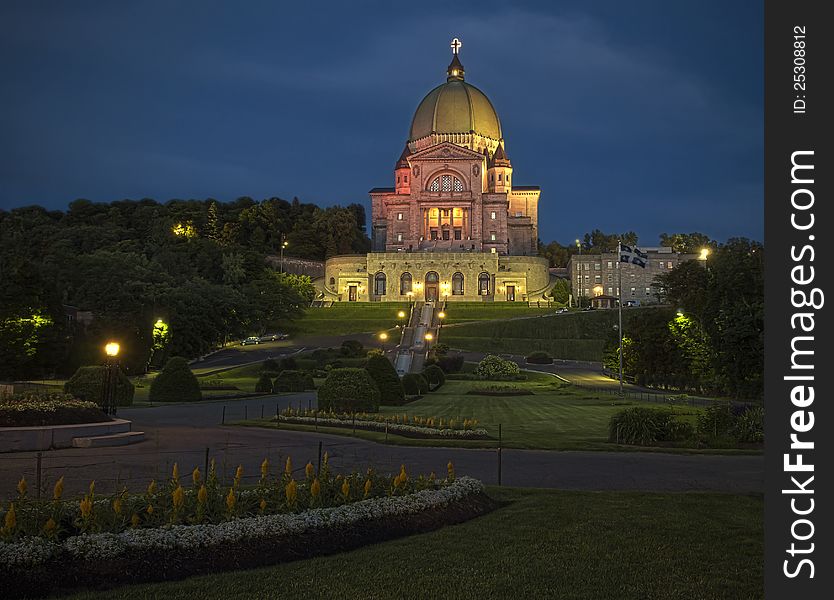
344,319
465,312
558,416
542,544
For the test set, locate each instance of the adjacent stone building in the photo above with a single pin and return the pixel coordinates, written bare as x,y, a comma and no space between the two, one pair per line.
595,275
454,226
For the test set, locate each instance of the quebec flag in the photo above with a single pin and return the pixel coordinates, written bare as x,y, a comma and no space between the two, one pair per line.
633,256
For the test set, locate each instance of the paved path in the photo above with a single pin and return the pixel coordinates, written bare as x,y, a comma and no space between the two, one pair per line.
181,433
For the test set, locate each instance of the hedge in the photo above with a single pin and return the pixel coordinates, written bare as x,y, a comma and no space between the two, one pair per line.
385,376
435,376
264,383
31,409
292,381
539,357
450,363
175,383
87,383
348,390
415,384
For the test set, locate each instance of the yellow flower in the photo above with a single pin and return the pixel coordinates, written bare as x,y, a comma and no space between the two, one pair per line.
231,500
325,458
59,489
263,504
150,509
346,489
403,475
178,498
309,470
195,476
202,495
238,475
49,527
265,468
288,466
86,507
450,468
291,492
315,488
10,521
175,473
92,487
367,487
152,487
117,505
134,520
432,476
22,486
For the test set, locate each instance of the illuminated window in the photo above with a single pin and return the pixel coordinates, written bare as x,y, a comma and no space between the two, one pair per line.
597,278
446,183
399,216
492,215
610,291
399,237
457,284
493,236
379,284
597,267
587,279
610,264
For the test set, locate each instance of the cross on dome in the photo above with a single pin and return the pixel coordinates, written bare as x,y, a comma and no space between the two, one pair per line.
456,44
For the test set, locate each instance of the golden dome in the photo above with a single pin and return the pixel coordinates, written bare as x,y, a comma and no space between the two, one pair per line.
455,107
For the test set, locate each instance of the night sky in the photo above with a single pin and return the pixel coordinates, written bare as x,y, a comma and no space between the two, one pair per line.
643,116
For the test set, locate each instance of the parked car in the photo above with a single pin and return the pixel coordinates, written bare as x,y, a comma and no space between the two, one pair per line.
561,310
251,340
273,337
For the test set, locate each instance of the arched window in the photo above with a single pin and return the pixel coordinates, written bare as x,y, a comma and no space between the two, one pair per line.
432,277
457,284
379,284
483,283
446,183
405,283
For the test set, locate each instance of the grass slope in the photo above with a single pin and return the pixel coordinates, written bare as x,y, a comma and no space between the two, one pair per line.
344,319
542,544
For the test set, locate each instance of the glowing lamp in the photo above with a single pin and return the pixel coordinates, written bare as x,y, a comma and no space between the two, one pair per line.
704,253
111,349
441,315
429,337
401,314
383,336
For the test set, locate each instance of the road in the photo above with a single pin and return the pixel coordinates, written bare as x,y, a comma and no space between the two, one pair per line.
181,433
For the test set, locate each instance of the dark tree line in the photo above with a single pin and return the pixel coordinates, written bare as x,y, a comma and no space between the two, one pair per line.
197,265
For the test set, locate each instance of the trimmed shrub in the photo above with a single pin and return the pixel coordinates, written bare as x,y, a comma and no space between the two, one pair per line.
435,376
749,427
309,384
351,348
415,384
87,383
288,362
450,364
391,392
540,357
640,426
31,409
175,383
264,383
349,390
496,368
290,381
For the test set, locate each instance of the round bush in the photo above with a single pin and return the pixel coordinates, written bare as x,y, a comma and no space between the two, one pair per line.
450,363
539,358
309,384
290,381
175,383
348,390
415,384
87,383
351,348
435,376
641,426
391,392
496,368
264,383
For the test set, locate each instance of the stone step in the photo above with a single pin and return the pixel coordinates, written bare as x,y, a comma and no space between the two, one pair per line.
102,441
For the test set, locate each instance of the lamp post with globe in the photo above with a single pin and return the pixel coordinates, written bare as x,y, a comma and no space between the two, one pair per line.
111,351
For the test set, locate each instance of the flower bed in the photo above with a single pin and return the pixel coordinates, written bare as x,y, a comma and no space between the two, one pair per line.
404,425
32,409
499,390
38,565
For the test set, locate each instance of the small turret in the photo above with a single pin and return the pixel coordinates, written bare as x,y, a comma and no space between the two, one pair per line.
402,170
500,171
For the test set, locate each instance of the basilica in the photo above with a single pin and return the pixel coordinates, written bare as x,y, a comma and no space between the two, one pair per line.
454,226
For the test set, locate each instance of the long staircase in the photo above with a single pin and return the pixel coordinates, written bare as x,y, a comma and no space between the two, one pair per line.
414,347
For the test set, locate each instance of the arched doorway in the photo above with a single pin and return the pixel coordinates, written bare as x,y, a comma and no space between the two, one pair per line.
432,286
483,284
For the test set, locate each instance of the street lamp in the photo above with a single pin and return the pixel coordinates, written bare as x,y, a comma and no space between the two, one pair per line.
111,350
429,337
383,337
284,244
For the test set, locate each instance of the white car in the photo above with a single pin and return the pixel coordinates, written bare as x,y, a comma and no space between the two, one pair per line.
251,340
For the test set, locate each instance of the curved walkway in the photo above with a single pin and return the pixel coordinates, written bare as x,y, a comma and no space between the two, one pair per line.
181,433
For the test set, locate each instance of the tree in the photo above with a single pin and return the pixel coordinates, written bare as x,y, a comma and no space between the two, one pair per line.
687,243
175,383
560,292
385,376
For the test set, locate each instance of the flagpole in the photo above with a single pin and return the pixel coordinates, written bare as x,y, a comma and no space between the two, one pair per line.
620,293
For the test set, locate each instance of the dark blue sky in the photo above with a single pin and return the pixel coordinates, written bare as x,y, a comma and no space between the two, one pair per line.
644,116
